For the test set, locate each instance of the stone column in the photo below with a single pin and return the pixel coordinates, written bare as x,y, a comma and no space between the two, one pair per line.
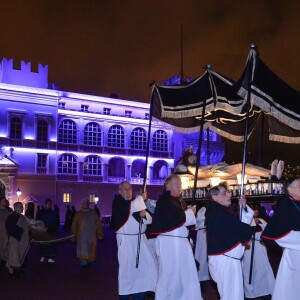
128,173
10,192
105,172
80,171
150,174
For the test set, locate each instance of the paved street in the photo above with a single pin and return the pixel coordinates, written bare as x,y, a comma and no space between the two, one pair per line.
65,279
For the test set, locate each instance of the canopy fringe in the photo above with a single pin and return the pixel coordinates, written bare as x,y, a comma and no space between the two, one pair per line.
284,139
272,110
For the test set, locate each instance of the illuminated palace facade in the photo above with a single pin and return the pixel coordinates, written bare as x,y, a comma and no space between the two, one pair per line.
69,147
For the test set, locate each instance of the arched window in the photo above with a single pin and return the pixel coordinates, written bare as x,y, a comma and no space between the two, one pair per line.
42,131
116,137
160,170
16,128
160,141
116,167
92,134
92,166
138,168
67,132
67,164
138,139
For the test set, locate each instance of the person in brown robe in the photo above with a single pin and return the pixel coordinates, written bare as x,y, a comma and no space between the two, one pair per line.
87,228
19,237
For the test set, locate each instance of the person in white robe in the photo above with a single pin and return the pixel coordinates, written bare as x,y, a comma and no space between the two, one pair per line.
137,269
151,205
177,274
227,235
262,279
201,246
20,236
284,229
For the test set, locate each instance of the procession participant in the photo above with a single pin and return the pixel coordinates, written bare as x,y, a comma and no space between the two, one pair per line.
87,228
177,273
19,237
262,279
4,213
226,237
150,208
284,229
129,218
201,247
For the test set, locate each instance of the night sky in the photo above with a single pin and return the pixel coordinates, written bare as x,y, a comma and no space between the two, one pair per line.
102,47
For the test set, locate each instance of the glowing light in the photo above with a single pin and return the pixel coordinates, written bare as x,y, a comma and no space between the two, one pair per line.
184,182
26,89
104,100
31,150
3,134
99,115
214,181
239,178
29,137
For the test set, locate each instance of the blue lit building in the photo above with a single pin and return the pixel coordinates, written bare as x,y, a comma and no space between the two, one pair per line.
69,147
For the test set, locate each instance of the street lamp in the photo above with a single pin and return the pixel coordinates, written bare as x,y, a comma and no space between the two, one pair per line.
19,193
96,198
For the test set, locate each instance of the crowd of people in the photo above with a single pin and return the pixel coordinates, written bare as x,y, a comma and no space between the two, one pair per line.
156,253
155,250
17,231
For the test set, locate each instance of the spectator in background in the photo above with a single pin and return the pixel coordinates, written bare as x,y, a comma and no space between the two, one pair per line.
73,213
39,213
4,213
68,218
97,210
7,206
30,211
50,221
57,215
87,228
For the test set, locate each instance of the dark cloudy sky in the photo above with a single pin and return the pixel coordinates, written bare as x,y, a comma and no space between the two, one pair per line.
101,47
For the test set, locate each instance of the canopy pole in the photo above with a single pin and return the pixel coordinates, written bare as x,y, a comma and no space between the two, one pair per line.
261,136
199,152
207,147
145,179
245,140
207,67
248,106
181,54
148,140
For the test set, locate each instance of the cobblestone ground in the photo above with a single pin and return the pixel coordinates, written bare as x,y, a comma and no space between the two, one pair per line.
65,279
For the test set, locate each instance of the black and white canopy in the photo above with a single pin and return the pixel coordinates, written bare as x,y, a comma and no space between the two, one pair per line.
224,102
